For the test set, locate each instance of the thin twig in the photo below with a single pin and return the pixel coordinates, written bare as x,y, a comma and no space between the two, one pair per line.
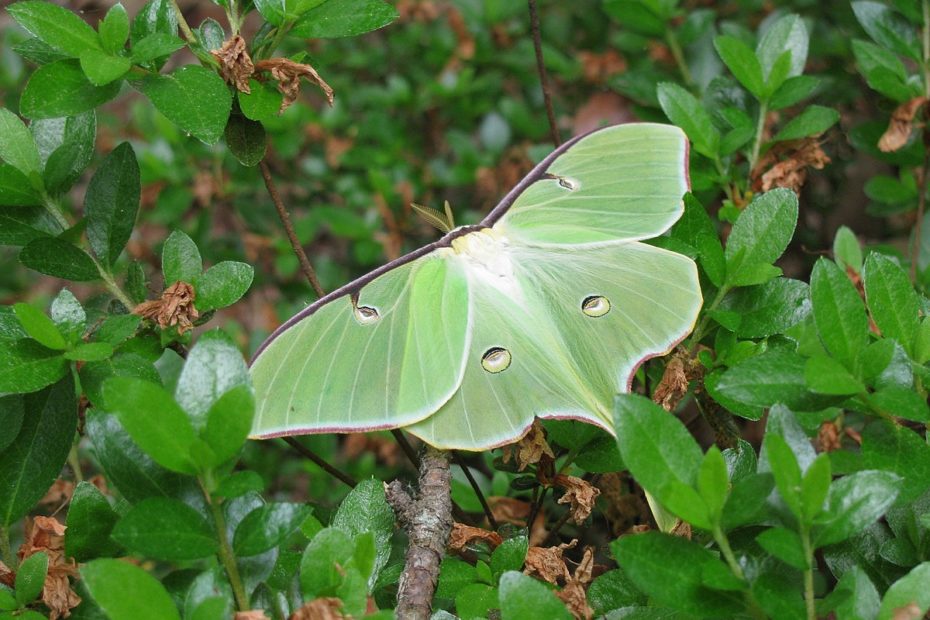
537,506
925,169
316,458
458,460
185,28
406,447
543,76
305,265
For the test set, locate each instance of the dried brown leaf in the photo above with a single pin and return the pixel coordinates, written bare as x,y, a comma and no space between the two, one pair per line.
911,611
288,74
174,307
900,125
580,494
252,614
547,564
599,67
791,172
574,593
509,510
530,449
674,384
828,437
48,535
7,576
58,494
235,64
464,535
323,608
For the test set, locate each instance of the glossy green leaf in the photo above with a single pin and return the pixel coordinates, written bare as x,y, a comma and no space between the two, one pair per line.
908,590
56,257
123,590
776,376
887,28
30,577
267,527
180,259
323,562
770,308
30,465
17,146
39,326
73,154
902,402
344,18
785,545
239,483
846,249
785,470
54,25
26,366
509,556
222,285
855,502
155,46
713,483
69,316
825,375
761,233
899,450
892,300
883,70
62,89
742,62
262,103
838,312
684,110
228,423
111,203
787,34
793,91
154,421
813,121
102,68
365,509
12,412
90,352
90,521
195,99
524,598
245,139
114,29
213,367
165,529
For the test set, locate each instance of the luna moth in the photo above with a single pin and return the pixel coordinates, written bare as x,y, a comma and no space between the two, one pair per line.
544,309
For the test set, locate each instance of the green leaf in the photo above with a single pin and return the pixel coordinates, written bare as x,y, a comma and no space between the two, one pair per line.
684,110
671,571
323,562
56,257
229,421
263,103
58,27
784,545
154,421
165,529
123,590
814,487
524,598
214,366
855,502
111,203
210,34
713,483
90,521
68,315
90,352
787,35
239,483
114,29
155,46
117,328
30,577
195,99
126,466
846,249
30,465
509,556
26,366
770,308
761,233
245,139
742,62
883,71
17,146
776,376
793,90
344,18
786,471
747,497
267,527
838,312
613,590
641,16
69,159
15,189
477,600
222,285
854,596
11,418
454,574
180,259
825,375
102,68
39,326
813,121
887,28
365,509
661,454
902,402
899,450
910,589
892,300
696,229
61,89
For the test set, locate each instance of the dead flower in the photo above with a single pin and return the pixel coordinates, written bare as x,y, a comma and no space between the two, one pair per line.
580,494
7,576
530,449
573,594
509,510
252,614
174,307
674,384
288,74
791,171
235,64
911,611
464,535
48,535
59,494
547,564
323,608
598,68
900,125
828,437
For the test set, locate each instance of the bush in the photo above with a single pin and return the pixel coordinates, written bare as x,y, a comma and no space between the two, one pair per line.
793,479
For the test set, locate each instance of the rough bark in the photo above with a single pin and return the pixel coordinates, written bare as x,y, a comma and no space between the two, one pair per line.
427,519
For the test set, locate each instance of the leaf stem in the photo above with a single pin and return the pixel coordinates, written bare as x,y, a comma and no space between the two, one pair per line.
74,461
679,57
112,286
55,211
185,28
543,76
757,143
723,543
305,265
225,552
6,550
808,574
925,167
698,332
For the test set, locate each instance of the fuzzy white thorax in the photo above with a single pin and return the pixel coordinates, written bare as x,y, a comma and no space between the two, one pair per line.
487,258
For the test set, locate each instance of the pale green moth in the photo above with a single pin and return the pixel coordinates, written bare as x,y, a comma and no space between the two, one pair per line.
544,309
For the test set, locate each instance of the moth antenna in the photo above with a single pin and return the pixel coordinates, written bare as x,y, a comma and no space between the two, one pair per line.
433,217
449,216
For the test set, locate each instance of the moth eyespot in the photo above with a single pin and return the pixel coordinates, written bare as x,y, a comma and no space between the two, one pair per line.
569,184
366,315
595,306
496,359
